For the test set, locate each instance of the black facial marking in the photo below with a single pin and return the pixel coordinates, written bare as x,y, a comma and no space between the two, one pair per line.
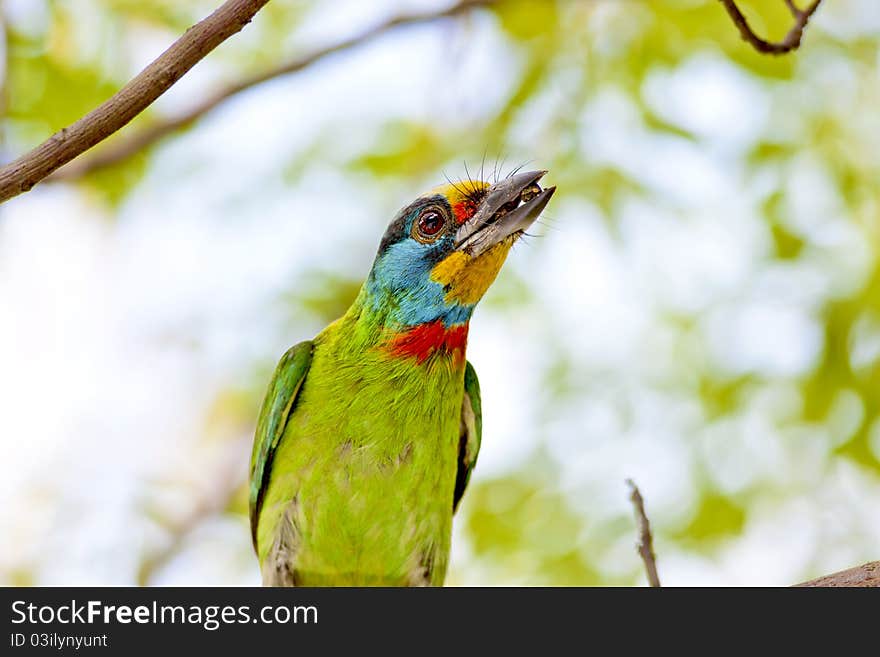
397,230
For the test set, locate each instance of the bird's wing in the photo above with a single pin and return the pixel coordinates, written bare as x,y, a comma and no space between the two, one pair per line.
471,432
277,407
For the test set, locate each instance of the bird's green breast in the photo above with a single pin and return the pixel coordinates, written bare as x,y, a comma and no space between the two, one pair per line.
365,471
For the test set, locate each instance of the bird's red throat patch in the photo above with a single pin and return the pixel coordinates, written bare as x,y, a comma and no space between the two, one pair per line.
426,340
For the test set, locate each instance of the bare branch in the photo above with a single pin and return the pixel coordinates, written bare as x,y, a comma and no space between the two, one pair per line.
645,545
138,141
29,169
867,575
791,41
25,172
793,8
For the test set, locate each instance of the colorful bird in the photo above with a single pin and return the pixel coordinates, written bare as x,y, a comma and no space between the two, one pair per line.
369,433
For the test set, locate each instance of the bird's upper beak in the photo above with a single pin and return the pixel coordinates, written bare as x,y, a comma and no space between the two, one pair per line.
510,207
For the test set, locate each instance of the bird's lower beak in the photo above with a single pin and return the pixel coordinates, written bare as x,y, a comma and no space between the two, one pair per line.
509,208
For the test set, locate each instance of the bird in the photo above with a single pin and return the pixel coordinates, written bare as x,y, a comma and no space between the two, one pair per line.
368,433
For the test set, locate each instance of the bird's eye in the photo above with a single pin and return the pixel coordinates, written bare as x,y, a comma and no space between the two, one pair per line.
430,224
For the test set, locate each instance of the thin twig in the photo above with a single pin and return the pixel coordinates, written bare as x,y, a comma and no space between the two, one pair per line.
791,41
793,8
47,159
29,169
138,141
645,545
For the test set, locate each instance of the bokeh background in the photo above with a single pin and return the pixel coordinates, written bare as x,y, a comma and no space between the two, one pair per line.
699,309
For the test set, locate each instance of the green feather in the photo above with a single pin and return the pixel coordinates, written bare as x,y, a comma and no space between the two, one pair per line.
277,407
359,488
471,432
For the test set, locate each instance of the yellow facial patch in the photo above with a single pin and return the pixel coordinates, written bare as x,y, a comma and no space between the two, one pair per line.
467,278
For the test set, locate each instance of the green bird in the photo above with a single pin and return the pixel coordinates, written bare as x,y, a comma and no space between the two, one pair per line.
368,434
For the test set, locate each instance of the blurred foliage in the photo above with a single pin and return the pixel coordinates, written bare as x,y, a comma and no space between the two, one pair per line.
717,517
527,530
323,295
524,526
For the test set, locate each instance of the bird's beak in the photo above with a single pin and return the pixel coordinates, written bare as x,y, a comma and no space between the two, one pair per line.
509,208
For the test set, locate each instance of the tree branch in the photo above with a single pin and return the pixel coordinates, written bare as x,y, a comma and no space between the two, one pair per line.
29,169
22,174
138,141
791,41
645,545
866,575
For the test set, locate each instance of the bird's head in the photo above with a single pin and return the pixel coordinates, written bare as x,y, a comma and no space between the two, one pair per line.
441,253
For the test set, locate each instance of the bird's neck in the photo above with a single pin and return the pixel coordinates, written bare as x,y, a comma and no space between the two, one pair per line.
376,325
426,341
